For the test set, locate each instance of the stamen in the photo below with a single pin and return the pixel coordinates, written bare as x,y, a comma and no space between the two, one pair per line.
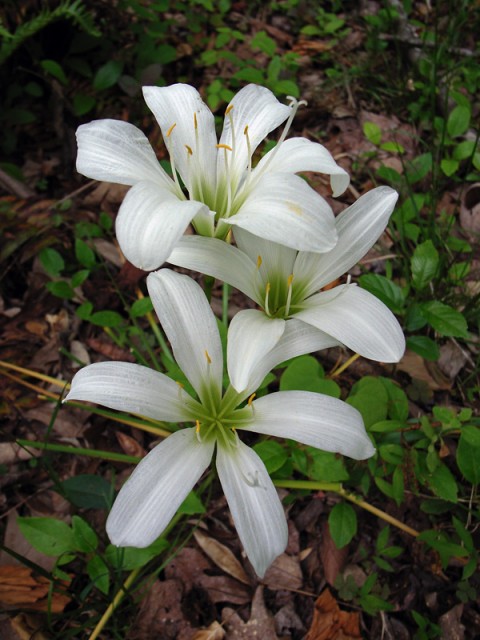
195,124
259,262
196,170
249,148
251,399
189,149
209,360
169,132
289,294
228,109
267,292
197,430
172,159
224,146
237,439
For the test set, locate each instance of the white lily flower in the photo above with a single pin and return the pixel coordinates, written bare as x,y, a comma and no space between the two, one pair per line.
162,480
285,284
214,184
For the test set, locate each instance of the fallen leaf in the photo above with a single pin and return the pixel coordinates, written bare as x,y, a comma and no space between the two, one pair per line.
452,359
19,588
333,559
11,452
260,625
129,445
284,573
419,369
221,556
450,624
214,632
331,623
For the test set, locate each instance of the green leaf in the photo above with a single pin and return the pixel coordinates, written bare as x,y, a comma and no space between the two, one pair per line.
141,307
263,42
129,558
79,277
107,75
444,319
249,74
86,539
49,536
106,319
84,254
84,311
272,454
370,397
192,505
88,491
61,289
419,168
372,132
468,454
82,104
443,483
342,523
305,373
464,149
384,289
449,166
394,147
99,574
424,346
52,261
424,264
325,466
458,121
55,70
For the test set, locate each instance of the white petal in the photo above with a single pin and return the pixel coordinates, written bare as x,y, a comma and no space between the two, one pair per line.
357,319
220,260
190,325
116,151
150,222
300,154
297,339
284,209
359,226
125,386
256,509
313,419
181,105
276,260
251,335
258,109
158,486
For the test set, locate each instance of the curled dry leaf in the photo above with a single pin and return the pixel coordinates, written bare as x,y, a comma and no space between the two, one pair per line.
284,573
214,632
221,556
19,588
418,369
331,623
129,445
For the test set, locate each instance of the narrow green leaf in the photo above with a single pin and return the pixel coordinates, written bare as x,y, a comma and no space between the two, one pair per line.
444,319
52,261
468,453
458,121
342,523
424,264
372,132
107,75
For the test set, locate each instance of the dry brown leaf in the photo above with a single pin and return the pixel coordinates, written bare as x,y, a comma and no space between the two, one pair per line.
221,556
11,452
470,209
261,624
452,359
333,559
20,589
129,445
451,625
331,623
284,573
214,632
419,369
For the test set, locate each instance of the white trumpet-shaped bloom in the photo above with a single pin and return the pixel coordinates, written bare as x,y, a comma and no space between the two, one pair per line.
214,184
286,285
162,480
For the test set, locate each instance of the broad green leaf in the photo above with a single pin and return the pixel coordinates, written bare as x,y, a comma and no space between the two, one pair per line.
384,289
444,319
464,149
54,69
372,132
107,75
424,264
397,400
86,539
49,536
192,505
52,261
79,277
106,319
394,147
82,104
449,166
342,523
141,307
326,466
468,453
458,121
424,346
263,42
99,574
419,168
88,491
129,558
446,549
84,311
443,483
61,289
84,254
370,397
272,454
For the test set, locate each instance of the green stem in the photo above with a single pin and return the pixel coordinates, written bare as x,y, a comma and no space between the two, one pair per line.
79,451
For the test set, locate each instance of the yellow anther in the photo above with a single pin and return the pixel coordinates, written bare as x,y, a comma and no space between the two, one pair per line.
195,124
234,429
228,109
251,398
209,360
290,280
259,262
197,428
180,384
245,131
189,149
224,146
267,288
171,129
